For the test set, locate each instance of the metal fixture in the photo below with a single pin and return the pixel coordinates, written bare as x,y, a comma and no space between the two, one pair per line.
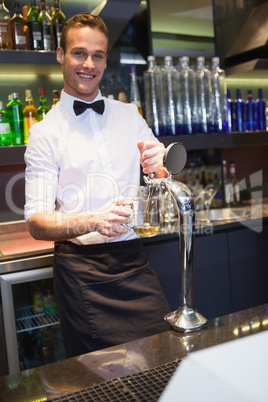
185,318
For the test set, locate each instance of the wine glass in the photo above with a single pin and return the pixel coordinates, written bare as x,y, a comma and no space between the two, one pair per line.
207,194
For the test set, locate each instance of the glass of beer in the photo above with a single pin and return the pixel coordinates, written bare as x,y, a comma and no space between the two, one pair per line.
146,215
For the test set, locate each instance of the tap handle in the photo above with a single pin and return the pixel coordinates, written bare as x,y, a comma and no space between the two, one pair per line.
175,158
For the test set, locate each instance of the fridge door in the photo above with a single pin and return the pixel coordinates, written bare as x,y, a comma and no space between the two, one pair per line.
22,319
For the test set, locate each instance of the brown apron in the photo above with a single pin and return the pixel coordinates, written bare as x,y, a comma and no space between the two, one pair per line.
107,295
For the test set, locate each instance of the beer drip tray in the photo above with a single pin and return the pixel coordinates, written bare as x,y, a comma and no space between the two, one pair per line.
27,319
222,214
144,386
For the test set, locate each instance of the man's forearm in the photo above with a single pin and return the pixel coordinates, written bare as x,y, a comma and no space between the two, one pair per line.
57,226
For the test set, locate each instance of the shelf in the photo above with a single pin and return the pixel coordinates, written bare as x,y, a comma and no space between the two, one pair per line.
217,140
15,155
21,62
27,319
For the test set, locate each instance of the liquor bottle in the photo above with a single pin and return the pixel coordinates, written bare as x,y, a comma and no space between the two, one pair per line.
261,111
251,113
5,28
19,30
219,92
188,97
35,27
134,89
203,91
5,130
234,190
46,27
239,112
154,104
14,109
230,105
122,97
58,21
43,107
172,104
56,97
29,114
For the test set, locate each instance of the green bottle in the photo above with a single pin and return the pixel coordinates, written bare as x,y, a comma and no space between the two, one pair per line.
58,21
14,109
5,131
35,27
43,107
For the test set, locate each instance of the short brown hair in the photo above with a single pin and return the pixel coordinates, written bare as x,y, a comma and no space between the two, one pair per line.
83,20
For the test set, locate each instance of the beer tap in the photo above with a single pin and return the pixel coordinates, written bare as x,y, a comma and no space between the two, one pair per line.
186,318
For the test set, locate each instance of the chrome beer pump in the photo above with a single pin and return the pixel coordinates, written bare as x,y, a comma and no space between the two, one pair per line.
185,318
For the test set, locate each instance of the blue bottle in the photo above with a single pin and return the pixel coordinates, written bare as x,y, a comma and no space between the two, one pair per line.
230,106
219,95
187,85
261,114
203,91
239,112
153,93
251,113
172,101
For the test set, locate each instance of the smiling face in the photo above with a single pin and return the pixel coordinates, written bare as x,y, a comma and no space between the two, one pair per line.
83,62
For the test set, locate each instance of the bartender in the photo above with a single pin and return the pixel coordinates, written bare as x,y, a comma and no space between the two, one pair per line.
82,170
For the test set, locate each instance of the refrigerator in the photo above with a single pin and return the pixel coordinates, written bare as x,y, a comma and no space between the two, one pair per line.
30,320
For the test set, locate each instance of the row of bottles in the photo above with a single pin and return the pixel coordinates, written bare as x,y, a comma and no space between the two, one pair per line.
40,347
16,119
183,100
37,29
246,115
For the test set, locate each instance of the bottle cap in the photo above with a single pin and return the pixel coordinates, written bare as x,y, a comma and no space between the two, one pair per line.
150,58
133,69
28,93
42,92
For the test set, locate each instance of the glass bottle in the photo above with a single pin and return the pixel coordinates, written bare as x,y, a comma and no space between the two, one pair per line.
239,112
29,114
230,106
251,113
58,21
234,189
35,27
203,91
5,28
14,109
219,98
56,97
134,89
5,130
154,104
19,30
261,111
43,107
172,105
46,27
187,82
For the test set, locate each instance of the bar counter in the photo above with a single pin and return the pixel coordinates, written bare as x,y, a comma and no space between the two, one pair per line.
68,378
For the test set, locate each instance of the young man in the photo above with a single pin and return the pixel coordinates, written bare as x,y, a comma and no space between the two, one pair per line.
82,169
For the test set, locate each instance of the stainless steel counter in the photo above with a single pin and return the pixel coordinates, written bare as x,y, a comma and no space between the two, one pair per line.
72,375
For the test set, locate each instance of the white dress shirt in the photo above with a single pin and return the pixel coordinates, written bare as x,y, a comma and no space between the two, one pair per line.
79,163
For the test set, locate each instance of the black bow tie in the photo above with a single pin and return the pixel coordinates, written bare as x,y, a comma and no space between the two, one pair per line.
80,107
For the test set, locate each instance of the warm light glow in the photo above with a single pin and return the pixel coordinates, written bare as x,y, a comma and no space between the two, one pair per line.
16,77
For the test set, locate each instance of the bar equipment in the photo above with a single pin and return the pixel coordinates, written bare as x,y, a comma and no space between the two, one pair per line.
186,318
